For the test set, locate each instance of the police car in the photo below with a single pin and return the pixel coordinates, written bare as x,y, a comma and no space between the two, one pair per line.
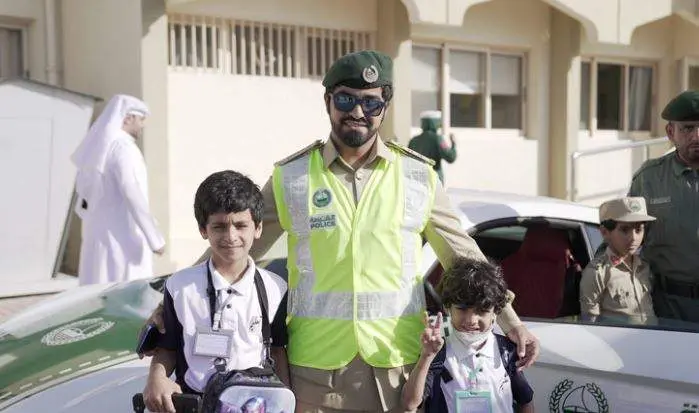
75,351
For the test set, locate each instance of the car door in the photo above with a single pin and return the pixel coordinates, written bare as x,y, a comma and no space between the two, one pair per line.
585,367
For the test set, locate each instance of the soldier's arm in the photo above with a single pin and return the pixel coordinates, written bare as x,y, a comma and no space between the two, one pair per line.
271,228
448,240
447,148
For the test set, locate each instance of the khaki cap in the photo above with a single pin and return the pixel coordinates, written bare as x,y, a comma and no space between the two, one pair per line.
628,209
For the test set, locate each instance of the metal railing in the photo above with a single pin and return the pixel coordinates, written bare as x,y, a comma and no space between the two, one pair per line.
645,144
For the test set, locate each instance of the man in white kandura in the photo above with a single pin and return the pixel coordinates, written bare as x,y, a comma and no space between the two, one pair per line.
119,234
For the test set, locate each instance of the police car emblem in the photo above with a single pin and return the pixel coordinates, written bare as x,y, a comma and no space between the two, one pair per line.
370,74
586,398
322,198
76,331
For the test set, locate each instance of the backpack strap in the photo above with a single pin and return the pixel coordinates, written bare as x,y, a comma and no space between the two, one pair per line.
266,327
508,350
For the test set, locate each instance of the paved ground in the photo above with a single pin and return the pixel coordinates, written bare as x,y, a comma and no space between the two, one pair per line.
9,306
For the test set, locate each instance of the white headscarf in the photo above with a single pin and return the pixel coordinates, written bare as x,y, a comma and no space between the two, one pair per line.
91,156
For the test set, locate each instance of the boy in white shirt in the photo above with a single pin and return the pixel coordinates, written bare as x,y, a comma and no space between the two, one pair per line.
476,371
212,312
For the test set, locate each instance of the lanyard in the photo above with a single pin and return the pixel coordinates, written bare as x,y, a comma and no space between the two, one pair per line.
471,375
216,309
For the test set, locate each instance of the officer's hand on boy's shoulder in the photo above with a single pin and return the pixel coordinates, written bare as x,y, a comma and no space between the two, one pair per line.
157,396
527,346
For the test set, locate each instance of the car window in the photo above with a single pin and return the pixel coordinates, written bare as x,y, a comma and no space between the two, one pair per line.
544,270
594,237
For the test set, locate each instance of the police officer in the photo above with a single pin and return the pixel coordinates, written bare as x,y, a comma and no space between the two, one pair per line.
355,210
670,185
431,144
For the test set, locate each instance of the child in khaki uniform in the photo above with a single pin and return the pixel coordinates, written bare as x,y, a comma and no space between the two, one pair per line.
618,283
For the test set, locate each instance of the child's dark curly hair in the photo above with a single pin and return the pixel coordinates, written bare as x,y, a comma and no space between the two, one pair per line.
473,284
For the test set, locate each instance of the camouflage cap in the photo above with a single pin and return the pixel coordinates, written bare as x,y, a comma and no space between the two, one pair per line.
360,70
628,209
684,107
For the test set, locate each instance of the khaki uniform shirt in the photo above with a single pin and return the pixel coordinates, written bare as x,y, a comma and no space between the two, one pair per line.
671,190
610,287
443,231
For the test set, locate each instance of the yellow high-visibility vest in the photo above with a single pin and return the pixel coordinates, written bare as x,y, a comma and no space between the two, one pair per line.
354,269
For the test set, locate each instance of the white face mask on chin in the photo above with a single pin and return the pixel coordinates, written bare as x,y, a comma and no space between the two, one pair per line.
471,338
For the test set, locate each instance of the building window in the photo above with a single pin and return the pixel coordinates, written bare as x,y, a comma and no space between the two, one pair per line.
616,96
483,88
195,45
257,48
693,75
465,89
324,46
426,79
506,91
11,53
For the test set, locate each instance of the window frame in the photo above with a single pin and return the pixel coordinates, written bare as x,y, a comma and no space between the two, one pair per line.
626,64
260,48
24,40
445,49
684,64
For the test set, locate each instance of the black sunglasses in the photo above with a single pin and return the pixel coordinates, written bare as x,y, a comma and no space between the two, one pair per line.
371,106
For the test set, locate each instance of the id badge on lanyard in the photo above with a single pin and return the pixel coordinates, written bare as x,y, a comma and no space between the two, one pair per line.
211,340
473,402
210,343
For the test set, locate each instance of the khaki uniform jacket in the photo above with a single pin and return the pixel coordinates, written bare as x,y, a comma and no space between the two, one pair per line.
609,287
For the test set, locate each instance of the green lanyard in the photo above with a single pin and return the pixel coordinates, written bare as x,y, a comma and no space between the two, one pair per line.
472,374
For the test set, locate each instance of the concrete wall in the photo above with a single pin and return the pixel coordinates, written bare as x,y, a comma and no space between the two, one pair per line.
243,123
335,14
108,60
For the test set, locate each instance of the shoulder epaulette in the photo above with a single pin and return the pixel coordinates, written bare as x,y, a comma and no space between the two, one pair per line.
317,144
409,152
651,163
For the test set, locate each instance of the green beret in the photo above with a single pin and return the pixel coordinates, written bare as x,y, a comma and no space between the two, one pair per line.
684,107
366,69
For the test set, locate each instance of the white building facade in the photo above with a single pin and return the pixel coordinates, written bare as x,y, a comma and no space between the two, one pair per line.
235,84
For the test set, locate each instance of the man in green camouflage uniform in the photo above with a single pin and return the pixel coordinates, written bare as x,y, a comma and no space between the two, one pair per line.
670,185
431,144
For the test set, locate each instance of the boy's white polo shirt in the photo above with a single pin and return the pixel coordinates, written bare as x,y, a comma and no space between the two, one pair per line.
489,369
243,315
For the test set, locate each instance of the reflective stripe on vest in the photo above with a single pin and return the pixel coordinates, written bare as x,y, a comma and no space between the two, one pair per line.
408,300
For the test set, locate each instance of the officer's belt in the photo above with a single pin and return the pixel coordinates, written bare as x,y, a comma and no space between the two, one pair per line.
680,288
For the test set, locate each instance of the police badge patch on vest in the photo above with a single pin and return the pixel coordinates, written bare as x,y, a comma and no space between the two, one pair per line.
324,221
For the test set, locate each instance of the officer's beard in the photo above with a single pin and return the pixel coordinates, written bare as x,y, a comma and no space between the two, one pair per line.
354,138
